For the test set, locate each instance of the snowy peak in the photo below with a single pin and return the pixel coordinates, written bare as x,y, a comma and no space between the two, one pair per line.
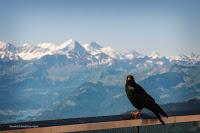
74,47
8,51
95,49
132,55
71,44
49,46
70,47
29,52
155,55
179,58
95,45
192,58
7,47
68,43
91,46
111,52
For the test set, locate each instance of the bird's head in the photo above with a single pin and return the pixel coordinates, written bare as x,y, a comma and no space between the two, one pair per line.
130,79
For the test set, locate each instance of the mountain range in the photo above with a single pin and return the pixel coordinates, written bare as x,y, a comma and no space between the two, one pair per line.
73,79
92,52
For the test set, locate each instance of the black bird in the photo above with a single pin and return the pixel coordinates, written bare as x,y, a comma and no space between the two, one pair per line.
141,99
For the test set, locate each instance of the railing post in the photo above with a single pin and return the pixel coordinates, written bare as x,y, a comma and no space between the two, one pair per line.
138,129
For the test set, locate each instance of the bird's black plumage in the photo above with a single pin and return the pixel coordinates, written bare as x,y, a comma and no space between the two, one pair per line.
141,99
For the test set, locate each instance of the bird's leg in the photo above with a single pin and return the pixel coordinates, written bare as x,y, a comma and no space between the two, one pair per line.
136,114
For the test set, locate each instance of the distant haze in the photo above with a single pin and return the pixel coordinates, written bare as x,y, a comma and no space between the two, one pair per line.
170,28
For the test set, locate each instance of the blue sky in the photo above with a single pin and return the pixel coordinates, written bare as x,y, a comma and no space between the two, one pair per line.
170,28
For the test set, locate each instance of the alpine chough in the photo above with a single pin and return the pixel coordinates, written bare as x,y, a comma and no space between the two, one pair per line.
141,99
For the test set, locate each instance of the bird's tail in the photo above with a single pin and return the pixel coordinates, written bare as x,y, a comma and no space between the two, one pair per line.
161,111
160,119
156,109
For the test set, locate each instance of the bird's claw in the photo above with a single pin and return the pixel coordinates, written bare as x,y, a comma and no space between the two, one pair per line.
136,115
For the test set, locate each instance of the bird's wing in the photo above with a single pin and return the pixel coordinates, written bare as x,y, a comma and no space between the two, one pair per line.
146,97
149,102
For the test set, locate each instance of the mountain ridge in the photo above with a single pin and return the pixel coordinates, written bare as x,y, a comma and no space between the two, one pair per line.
93,49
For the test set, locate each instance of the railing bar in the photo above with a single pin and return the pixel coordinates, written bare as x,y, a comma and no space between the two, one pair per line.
107,125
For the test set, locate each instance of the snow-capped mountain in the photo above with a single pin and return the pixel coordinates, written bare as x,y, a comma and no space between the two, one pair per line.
132,55
69,48
192,58
8,51
92,53
112,53
30,52
74,48
95,49
155,55
99,53
92,47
